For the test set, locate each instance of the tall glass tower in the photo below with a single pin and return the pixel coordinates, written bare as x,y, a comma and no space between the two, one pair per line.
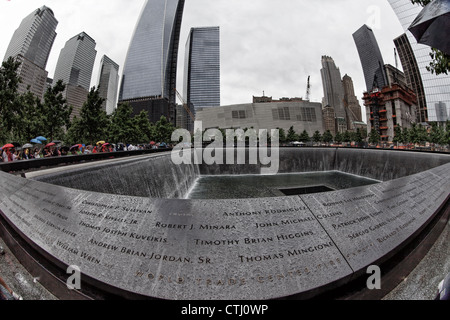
371,58
412,74
149,76
437,88
108,83
202,69
76,61
74,68
31,45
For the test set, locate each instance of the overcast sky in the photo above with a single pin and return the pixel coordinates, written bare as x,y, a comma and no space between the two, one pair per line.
266,45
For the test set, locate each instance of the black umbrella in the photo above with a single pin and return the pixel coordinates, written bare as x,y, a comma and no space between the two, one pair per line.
432,26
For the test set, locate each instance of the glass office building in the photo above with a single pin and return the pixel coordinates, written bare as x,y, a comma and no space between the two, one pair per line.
31,45
202,69
74,67
76,61
412,74
371,58
437,88
34,38
108,83
149,76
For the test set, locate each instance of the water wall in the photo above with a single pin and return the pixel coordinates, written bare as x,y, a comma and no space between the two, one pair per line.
156,176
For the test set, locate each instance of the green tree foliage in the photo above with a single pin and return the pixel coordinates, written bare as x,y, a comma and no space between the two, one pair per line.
327,137
144,129
338,138
347,137
374,137
291,135
163,130
55,112
317,137
440,63
405,137
9,98
438,135
283,137
93,122
121,127
359,136
304,137
32,118
398,135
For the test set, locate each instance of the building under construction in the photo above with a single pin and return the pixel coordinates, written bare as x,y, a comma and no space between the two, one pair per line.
392,106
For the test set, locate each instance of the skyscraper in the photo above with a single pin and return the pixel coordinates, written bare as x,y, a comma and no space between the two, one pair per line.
108,83
371,58
332,87
351,103
74,68
412,74
202,69
149,76
31,45
436,88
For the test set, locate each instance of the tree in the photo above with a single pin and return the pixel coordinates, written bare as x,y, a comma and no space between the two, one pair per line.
144,128
32,118
422,134
347,137
121,127
398,138
163,130
93,122
374,137
338,138
291,135
55,112
405,137
437,134
283,137
9,97
304,137
414,136
327,137
359,136
317,137
440,63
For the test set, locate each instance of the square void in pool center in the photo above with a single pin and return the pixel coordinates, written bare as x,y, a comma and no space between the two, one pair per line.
262,186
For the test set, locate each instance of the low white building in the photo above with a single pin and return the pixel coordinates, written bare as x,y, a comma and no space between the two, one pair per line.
302,115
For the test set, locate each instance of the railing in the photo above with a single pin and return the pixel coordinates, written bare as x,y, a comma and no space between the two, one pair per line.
24,165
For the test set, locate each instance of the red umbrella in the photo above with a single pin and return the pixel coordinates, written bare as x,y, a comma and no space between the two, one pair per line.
7,146
153,143
50,145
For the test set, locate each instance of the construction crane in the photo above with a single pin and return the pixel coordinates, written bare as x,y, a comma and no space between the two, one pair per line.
185,105
308,89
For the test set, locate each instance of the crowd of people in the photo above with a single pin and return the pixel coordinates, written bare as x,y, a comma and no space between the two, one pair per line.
11,153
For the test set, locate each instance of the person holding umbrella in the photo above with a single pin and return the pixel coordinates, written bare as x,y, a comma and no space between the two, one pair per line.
7,155
26,151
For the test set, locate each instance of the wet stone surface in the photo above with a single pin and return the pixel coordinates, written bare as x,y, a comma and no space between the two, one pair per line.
222,249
